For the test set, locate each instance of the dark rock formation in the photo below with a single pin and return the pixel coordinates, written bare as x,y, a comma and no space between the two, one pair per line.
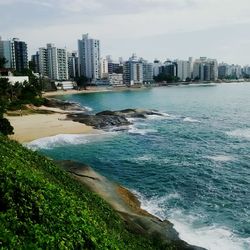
107,119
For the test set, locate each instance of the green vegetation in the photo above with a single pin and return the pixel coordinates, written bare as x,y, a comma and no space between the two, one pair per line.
14,97
164,77
42,207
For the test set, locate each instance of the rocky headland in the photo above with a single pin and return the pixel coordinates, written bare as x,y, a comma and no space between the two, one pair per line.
126,204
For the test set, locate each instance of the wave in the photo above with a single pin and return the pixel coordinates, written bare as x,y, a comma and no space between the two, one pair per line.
221,158
140,131
240,133
64,139
189,119
161,116
214,237
88,108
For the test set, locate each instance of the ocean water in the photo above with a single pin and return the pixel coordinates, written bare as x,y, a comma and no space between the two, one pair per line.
190,166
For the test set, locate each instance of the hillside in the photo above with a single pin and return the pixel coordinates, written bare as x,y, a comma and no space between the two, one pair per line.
41,206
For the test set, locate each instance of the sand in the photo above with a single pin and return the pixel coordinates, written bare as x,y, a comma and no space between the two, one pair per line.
73,91
31,127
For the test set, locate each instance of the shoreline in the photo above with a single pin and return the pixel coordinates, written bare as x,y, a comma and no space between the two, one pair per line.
128,206
31,127
90,90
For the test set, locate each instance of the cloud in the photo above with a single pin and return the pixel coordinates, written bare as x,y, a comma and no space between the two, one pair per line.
122,25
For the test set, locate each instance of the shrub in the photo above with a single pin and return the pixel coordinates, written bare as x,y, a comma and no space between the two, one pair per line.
5,127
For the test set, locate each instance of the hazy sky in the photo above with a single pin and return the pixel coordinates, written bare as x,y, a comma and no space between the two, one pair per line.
150,28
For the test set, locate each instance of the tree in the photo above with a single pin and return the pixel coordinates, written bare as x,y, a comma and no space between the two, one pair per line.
82,81
5,127
5,90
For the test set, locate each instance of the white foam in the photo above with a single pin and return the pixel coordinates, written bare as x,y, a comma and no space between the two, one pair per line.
161,116
140,131
64,139
213,237
189,119
221,158
240,133
88,108
144,158
156,205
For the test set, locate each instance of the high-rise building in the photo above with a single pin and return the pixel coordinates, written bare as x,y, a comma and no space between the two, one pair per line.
205,69
246,71
53,62
133,71
35,62
183,70
21,54
147,71
169,68
89,57
156,67
16,54
104,72
73,65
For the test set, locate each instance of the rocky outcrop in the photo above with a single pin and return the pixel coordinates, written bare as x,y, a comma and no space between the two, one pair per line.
137,220
107,119
64,105
100,121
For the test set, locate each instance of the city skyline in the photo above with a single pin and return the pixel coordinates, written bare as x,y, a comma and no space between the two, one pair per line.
151,29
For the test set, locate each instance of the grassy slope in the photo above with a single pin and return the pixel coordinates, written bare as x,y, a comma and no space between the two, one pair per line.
41,206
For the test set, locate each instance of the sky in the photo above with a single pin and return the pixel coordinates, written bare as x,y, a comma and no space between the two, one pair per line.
161,29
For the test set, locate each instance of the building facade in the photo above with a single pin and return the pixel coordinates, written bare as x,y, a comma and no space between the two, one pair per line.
73,65
16,54
205,69
89,57
53,63
133,71
104,68
183,70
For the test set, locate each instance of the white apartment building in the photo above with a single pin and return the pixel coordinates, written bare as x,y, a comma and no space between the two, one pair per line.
104,71
183,69
133,71
205,69
156,67
89,57
53,62
116,79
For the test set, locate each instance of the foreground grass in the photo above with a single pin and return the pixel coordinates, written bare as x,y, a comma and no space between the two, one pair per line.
42,207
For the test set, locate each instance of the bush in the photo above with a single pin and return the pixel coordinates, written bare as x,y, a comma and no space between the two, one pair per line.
5,127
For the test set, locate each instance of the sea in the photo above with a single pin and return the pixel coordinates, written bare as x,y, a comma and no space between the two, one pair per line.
191,165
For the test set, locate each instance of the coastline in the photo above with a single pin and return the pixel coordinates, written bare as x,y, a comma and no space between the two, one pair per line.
74,91
92,90
35,126
128,207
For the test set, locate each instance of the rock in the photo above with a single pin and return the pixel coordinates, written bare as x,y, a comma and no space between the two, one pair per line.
137,220
64,105
107,118
100,121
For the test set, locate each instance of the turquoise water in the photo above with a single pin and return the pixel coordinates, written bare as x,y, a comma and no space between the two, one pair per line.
191,166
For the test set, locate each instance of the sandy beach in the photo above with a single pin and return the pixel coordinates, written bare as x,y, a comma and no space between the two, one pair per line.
74,91
91,90
31,127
